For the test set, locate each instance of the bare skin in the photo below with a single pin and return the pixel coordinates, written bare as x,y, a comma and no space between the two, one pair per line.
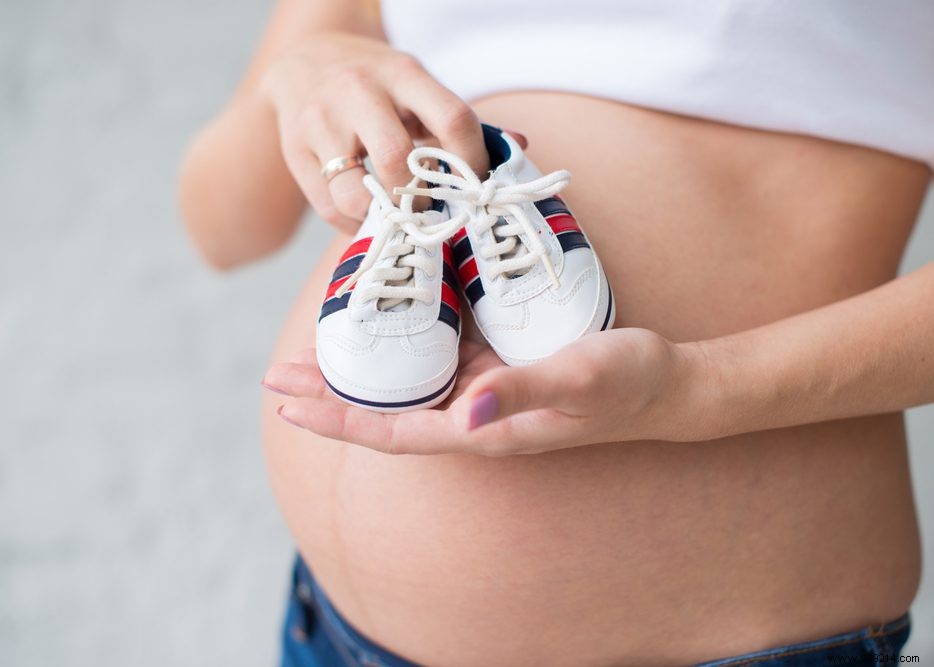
640,552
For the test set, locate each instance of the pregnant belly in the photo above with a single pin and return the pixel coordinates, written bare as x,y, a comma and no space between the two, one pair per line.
639,553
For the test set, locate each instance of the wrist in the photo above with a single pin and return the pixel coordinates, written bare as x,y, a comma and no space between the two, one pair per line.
703,380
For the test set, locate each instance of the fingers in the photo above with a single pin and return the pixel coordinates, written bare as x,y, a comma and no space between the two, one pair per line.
306,170
328,140
519,137
291,379
406,433
372,126
386,139
503,392
444,114
313,407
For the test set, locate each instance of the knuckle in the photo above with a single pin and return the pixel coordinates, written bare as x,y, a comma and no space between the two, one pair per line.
521,395
575,386
394,448
291,138
486,447
583,377
314,117
457,117
407,63
290,152
352,201
329,213
391,155
392,443
497,448
352,76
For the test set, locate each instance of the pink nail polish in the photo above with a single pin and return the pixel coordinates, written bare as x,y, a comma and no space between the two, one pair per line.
483,410
521,138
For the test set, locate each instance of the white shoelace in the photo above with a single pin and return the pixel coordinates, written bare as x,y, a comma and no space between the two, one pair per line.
492,201
395,284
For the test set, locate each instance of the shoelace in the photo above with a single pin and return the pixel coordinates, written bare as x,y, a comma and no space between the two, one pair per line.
492,201
394,284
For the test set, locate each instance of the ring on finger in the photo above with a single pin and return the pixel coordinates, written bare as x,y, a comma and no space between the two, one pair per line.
340,164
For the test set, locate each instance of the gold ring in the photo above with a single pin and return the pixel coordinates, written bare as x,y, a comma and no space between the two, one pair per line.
339,165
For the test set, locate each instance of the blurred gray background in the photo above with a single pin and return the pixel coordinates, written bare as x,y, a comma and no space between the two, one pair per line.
136,525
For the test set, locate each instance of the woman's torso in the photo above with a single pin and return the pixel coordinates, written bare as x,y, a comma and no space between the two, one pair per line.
645,552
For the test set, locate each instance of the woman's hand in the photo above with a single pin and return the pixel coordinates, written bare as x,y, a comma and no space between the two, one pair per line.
339,94
623,384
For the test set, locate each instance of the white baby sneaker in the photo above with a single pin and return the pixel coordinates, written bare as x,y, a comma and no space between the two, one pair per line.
532,278
389,326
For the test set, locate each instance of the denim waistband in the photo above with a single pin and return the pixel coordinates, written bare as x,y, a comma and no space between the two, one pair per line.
355,650
884,641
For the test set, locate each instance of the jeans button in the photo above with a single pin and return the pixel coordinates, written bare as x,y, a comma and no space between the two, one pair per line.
298,634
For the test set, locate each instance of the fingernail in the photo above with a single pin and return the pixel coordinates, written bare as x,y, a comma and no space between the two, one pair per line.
286,419
274,390
483,410
518,135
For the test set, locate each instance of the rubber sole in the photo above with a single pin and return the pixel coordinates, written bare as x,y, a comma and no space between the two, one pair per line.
610,319
390,407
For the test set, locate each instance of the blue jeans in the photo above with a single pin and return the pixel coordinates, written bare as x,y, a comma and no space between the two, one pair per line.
315,635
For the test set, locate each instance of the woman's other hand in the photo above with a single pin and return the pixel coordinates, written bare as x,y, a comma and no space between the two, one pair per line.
618,385
338,94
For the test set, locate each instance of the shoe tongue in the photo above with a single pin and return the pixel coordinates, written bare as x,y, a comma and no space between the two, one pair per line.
394,305
398,308
517,251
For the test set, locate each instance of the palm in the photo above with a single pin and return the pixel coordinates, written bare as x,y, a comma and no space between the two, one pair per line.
627,364
322,412
475,359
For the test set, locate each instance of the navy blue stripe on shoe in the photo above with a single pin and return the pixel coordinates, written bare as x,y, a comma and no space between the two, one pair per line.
449,317
333,305
347,267
398,404
474,291
551,206
462,251
571,240
447,276
609,305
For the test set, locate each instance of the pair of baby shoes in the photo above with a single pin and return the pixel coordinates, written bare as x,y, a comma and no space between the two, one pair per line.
389,326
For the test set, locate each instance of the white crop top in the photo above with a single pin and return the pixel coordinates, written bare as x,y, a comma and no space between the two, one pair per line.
857,71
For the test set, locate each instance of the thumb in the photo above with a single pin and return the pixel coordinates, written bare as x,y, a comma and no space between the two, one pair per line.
507,391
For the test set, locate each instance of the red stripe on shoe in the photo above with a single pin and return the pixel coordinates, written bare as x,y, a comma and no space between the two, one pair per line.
449,296
562,222
448,254
333,287
468,271
458,235
356,248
